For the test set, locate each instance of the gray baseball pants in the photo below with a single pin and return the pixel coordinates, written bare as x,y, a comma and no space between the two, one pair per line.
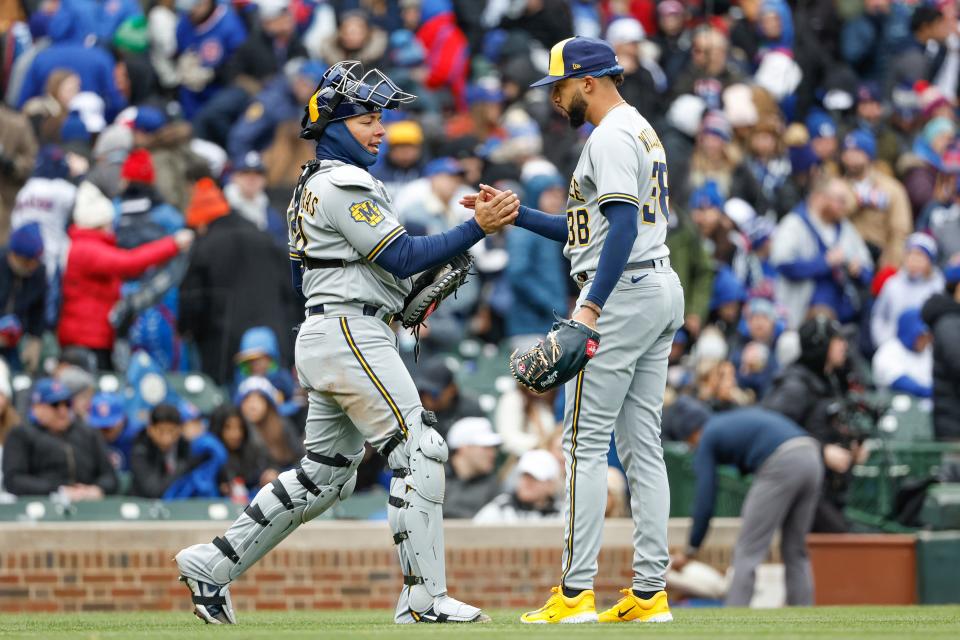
621,390
783,496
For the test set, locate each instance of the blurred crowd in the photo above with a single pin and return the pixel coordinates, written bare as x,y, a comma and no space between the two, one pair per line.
148,150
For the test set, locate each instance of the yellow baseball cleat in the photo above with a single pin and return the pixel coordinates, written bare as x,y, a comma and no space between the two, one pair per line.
634,609
563,610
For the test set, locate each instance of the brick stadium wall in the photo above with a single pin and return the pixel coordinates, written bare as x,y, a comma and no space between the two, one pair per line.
102,566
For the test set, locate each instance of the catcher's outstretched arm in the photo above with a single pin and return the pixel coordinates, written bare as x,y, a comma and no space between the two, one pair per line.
543,224
616,249
408,255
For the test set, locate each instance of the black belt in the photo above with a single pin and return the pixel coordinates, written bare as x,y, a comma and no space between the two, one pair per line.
322,263
368,310
583,276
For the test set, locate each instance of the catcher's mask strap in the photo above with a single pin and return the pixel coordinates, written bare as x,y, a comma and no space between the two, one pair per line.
315,120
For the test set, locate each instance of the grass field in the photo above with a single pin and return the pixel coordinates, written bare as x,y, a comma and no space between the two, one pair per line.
828,622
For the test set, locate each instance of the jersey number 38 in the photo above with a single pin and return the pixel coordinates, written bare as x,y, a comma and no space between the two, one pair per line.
658,195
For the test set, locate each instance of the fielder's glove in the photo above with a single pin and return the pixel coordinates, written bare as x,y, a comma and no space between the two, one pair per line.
557,358
432,286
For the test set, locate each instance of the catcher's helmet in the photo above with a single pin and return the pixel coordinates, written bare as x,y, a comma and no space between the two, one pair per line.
345,91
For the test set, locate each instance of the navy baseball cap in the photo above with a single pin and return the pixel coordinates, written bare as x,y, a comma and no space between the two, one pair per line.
578,57
49,391
250,161
447,165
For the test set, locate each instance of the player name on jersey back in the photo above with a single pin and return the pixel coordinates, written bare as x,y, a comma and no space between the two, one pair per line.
622,161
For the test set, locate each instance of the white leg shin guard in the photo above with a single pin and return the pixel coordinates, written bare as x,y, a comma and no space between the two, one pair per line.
415,514
295,497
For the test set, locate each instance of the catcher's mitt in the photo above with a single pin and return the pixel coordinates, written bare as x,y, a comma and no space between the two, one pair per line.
432,286
557,358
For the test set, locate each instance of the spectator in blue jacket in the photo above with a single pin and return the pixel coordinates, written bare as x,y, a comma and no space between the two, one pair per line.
868,41
787,471
905,363
282,99
23,290
821,259
94,65
536,269
208,34
82,20
755,355
207,453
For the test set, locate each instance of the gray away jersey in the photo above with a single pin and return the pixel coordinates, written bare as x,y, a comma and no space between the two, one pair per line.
622,160
345,213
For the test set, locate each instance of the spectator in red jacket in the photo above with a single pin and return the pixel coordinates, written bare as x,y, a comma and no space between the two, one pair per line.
96,268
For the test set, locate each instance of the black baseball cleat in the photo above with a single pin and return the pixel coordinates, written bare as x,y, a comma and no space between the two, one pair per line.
211,602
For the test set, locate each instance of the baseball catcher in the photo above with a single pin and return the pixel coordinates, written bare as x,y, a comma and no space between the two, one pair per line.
355,264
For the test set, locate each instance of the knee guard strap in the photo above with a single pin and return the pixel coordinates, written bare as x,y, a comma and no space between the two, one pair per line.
295,497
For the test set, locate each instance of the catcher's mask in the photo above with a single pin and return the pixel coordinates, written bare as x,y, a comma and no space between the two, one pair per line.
346,91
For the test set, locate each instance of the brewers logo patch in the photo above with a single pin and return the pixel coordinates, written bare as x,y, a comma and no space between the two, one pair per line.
366,211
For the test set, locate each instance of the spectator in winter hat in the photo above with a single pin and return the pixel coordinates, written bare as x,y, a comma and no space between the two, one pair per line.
258,403
726,302
109,151
882,213
912,285
716,229
740,109
138,167
760,274
95,269
932,102
23,290
672,39
485,101
919,168
714,158
904,363
144,216
823,135
247,196
234,264
404,159
207,204
754,357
